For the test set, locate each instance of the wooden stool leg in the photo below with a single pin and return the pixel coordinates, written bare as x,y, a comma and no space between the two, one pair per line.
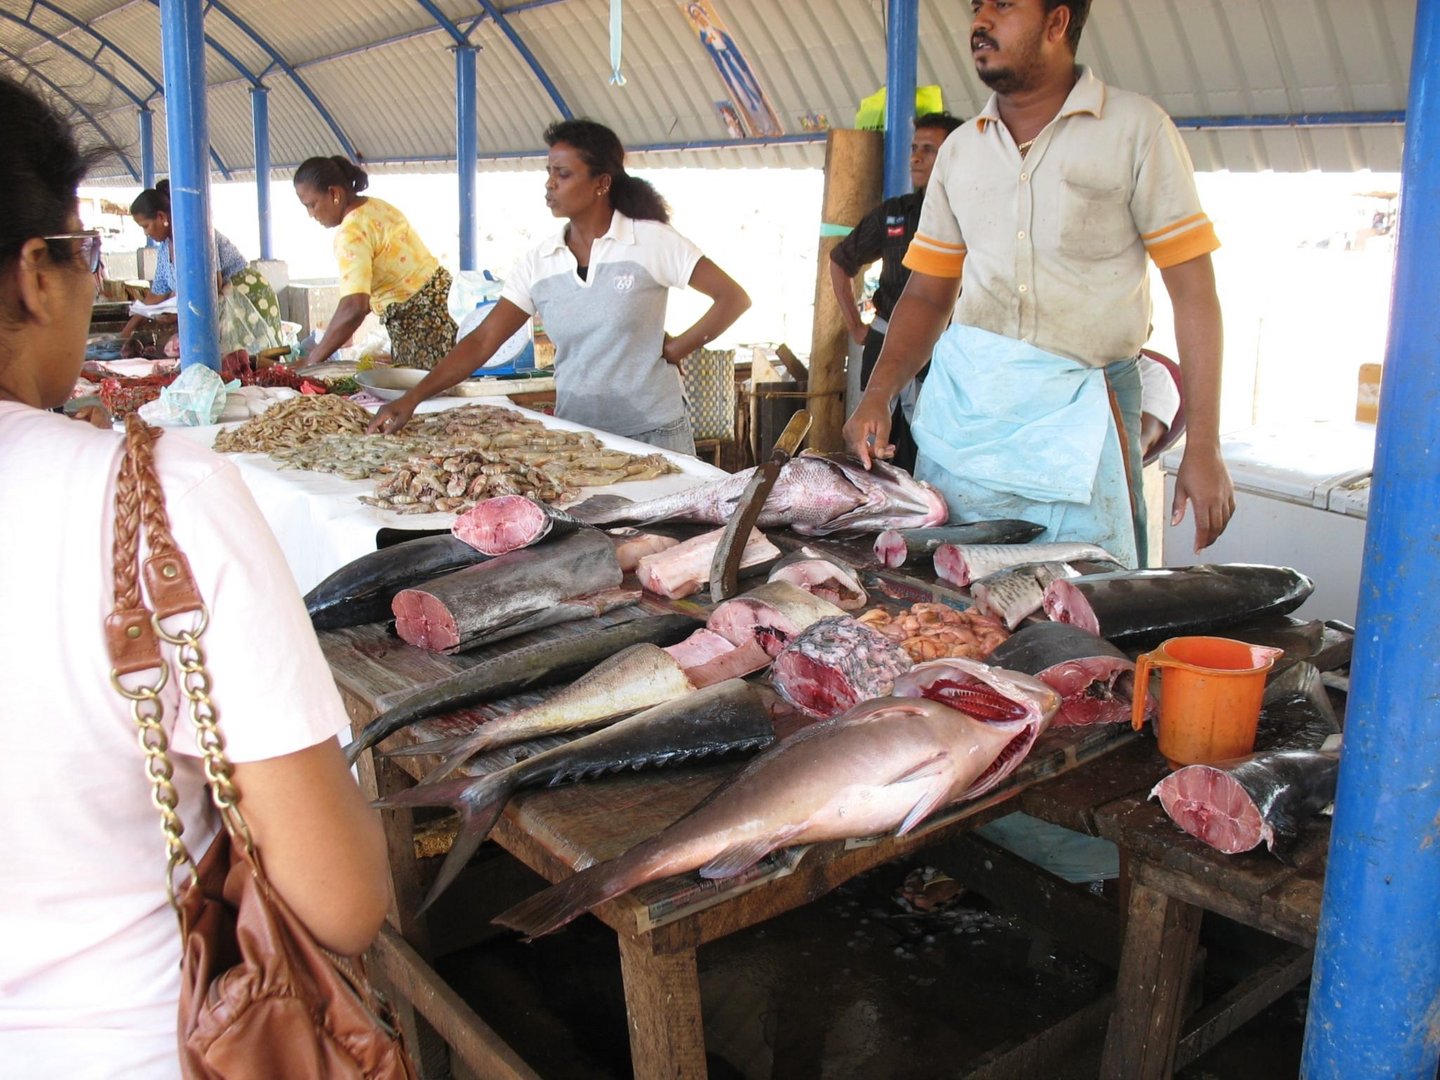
1160,938
662,998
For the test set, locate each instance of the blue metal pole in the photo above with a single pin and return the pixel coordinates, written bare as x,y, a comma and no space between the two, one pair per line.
1376,987
902,42
147,147
182,40
260,121
467,153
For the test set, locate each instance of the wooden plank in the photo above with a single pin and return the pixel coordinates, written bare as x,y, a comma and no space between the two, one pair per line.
1242,1003
1147,832
470,1038
1047,1053
852,190
1277,919
662,998
1155,964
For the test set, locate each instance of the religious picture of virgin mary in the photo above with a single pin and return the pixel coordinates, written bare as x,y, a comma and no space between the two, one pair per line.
757,115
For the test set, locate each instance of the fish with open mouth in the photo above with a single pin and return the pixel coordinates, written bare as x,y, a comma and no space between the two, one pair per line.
1134,604
886,765
815,494
728,718
1006,700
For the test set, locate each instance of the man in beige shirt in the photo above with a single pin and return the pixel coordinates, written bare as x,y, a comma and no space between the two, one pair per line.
1046,207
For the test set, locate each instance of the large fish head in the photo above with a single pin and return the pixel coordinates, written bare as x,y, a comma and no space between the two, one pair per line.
890,498
1006,699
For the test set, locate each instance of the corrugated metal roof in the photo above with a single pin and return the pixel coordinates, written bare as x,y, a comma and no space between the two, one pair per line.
380,74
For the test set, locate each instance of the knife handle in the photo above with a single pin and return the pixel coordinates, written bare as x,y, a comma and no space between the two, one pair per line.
792,436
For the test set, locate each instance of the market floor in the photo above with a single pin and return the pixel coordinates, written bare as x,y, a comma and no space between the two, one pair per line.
860,984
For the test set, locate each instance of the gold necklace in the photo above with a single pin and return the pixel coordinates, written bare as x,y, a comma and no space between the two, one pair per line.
1024,147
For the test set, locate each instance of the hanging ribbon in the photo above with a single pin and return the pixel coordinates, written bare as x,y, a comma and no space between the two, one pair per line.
616,79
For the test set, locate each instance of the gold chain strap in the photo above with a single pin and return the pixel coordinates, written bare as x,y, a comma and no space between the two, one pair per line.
140,502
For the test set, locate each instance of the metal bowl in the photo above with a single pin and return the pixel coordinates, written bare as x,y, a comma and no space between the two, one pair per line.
390,383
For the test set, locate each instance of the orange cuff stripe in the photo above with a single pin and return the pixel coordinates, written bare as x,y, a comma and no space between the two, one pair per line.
935,263
1183,248
939,245
1176,227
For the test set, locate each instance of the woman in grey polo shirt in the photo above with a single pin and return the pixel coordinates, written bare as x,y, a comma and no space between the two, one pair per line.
600,285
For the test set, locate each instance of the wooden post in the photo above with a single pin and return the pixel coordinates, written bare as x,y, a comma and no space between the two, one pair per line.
853,166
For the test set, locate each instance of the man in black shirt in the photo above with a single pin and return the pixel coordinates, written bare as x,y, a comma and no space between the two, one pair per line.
885,233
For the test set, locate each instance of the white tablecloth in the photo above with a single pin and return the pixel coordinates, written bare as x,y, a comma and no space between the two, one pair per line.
322,525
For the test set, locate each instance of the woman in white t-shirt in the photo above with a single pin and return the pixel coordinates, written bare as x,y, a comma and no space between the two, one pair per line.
89,947
599,285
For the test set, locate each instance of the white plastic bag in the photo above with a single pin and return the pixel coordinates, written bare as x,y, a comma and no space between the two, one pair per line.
196,397
469,289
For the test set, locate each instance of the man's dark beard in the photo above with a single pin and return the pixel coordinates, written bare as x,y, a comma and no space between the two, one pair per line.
1002,80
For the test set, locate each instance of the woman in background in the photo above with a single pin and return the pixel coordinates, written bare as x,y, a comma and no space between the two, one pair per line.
151,211
384,266
89,946
600,285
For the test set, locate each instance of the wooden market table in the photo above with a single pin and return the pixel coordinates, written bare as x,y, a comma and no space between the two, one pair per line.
660,925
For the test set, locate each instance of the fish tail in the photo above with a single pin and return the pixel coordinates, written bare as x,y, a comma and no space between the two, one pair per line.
479,802
549,910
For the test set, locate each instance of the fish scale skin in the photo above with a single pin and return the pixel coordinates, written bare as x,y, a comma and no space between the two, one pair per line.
835,664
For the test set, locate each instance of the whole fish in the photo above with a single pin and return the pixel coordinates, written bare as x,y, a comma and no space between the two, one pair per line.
508,523
633,679
1008,701
884,765
894,547
361,591
1094,679
814,494
727,718
1234,805
960,564
508,595
1175,600
823,576
538,664
834,665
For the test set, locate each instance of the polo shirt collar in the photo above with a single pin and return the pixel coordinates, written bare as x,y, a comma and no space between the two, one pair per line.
1086,96
622,231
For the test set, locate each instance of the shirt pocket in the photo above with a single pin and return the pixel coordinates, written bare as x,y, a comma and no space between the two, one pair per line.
1095,222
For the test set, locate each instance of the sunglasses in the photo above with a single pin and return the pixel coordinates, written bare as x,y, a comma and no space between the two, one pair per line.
90,241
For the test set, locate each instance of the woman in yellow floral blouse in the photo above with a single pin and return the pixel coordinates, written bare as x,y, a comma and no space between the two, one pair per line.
384,266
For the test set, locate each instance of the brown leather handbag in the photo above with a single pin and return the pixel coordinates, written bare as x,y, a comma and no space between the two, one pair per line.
259,998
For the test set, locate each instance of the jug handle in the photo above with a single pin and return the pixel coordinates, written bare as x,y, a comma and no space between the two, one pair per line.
1143,663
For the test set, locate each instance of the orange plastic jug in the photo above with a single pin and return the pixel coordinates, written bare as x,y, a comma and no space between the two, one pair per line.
1210,694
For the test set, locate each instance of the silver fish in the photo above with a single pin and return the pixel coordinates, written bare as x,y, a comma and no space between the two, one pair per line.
815,494
884,765
960,564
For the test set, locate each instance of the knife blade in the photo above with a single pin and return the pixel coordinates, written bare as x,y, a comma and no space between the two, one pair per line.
725,566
